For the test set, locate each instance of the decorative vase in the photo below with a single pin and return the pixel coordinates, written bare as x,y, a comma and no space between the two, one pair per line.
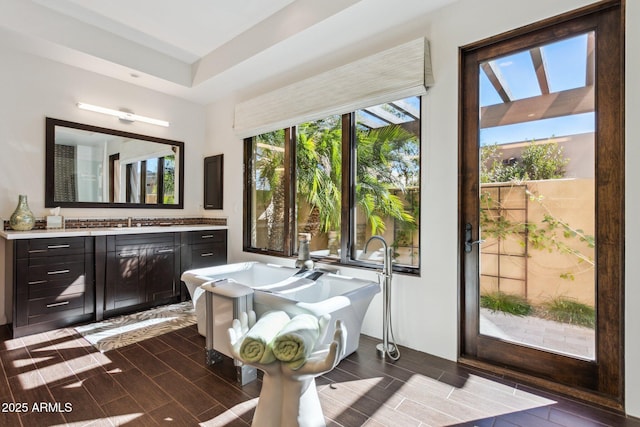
22,218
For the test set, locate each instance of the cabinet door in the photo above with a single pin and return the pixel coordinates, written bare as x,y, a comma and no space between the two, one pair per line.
160,274
213,174
123,279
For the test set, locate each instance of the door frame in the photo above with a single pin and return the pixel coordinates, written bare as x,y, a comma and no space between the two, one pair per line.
602,380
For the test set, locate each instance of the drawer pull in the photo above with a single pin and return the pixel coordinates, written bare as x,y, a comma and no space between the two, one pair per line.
57,272
128,254
164,251
57,304
206,254
207,236
58,246
37,282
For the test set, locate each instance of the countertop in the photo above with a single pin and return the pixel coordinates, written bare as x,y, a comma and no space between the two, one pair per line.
73,232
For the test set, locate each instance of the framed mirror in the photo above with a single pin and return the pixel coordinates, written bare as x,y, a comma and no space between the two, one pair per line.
90,166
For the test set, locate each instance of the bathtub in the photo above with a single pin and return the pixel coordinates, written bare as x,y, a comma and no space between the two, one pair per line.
247,273
344,298
274,287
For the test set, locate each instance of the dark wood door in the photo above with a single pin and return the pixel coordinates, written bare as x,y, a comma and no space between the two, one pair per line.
597,377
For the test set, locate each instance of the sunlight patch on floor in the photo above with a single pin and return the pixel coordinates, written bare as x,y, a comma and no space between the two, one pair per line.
230,416
116,420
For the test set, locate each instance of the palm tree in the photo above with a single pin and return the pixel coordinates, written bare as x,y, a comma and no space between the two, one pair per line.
269,177
387,161
382,164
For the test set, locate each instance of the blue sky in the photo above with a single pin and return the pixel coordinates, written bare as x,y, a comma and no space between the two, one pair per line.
565,62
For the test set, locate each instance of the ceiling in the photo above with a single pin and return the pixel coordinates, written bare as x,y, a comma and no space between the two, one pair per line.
200,50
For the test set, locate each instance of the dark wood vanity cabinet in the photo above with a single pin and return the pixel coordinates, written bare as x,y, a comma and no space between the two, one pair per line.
53,283
138,270
63,281
202,248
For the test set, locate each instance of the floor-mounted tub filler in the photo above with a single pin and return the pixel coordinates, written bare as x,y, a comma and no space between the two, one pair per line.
221,293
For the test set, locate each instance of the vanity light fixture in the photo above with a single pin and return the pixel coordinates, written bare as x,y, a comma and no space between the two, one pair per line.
122,115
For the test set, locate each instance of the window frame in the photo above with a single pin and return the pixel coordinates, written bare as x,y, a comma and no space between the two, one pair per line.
348,204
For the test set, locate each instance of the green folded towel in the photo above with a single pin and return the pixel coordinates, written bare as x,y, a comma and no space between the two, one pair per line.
297,339
256,345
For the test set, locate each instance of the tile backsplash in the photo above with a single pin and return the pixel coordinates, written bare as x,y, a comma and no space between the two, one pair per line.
41,223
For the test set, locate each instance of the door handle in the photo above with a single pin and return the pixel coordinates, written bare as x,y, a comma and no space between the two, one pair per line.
468,239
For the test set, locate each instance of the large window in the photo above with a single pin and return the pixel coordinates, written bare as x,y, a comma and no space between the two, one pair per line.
342,179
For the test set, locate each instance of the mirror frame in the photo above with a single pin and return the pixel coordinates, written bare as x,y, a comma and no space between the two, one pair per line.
49,201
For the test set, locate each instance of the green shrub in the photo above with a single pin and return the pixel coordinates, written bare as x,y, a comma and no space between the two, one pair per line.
507,303
537,162
567,310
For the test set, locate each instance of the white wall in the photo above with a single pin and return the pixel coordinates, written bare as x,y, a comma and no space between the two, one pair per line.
33,88
425,309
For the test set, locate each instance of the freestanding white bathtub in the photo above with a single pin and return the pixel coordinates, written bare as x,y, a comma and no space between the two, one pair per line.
278,288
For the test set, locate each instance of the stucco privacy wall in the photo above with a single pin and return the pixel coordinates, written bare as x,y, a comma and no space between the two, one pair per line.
32,88
425,309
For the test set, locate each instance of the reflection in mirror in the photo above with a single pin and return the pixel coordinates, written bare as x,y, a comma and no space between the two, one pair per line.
88,166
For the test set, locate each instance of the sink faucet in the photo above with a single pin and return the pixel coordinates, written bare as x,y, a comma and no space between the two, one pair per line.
304,261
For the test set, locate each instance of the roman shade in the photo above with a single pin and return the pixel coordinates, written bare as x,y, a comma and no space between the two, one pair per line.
393,74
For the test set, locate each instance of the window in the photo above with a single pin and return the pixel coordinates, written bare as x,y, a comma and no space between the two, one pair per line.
148,181
342,179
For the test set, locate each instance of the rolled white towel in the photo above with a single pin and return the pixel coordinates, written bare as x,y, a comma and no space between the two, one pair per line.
256,345
297,339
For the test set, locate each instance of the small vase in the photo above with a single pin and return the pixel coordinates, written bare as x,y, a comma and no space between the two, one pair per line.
22,218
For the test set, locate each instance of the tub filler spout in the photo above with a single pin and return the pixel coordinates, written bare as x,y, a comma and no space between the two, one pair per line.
386,348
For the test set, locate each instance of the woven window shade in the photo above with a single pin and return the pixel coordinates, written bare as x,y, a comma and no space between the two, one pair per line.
393,74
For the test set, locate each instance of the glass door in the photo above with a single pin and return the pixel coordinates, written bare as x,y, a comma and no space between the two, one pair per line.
541,218
537,197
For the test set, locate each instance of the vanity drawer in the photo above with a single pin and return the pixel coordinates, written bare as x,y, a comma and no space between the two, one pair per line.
205,255
56,288
56,269
51,247
207,236
55,307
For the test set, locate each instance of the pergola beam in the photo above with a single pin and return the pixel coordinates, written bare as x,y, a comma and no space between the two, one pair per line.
407,108
497,80
557,104
539,65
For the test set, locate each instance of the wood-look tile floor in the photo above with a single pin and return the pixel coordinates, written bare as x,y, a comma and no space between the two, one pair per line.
57,378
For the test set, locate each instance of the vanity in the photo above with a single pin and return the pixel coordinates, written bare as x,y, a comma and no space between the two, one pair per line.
58,278
97,268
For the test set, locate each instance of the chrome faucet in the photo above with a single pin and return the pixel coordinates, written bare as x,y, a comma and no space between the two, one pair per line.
385,348
386,262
